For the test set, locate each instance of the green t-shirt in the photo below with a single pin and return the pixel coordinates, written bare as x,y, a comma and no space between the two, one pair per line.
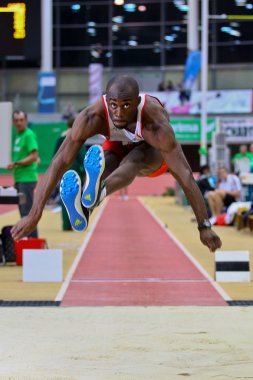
24,144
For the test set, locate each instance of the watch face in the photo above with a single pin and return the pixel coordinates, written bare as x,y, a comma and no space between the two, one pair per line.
205,224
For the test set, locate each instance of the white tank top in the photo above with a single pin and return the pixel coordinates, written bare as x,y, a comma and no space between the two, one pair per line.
115,134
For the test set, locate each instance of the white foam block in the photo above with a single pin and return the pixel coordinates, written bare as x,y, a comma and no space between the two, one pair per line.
42,265
232,266
232,276
231,256
5,133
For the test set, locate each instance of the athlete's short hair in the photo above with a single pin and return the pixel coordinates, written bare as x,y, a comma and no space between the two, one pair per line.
125,82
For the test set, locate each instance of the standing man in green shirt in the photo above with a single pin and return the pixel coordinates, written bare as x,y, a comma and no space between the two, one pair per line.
24,165
241,160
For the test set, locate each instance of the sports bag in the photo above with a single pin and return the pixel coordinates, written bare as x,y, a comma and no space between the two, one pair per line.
8,245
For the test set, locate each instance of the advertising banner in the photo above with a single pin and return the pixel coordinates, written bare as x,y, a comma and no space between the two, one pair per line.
46,92
188,130
218,102
237,129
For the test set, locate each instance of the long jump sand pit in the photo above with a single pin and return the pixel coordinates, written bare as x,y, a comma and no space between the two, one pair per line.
137,343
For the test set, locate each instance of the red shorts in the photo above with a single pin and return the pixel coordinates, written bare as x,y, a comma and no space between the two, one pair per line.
121,151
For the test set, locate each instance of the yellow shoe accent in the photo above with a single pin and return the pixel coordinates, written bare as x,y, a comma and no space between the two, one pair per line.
88,197
78,222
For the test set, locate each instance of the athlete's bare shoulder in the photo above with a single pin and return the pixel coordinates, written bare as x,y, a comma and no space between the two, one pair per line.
156,128
155,114
90,121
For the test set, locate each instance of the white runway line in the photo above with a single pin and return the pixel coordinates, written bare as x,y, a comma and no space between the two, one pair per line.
88,235
219,289
7,212
134,280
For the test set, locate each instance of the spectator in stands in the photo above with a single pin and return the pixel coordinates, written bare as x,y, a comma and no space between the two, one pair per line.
241,160
169,86
228,190
24,164
161,87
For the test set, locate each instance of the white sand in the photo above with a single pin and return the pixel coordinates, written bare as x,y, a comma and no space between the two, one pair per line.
110,343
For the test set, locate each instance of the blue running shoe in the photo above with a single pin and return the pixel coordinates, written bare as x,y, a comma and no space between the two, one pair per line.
94,164
70,192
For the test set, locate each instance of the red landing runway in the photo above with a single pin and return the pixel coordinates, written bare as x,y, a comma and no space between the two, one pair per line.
130,260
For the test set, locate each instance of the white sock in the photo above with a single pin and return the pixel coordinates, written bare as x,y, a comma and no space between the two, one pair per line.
102,194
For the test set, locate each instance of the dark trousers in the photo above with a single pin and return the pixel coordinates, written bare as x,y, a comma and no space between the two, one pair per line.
27,188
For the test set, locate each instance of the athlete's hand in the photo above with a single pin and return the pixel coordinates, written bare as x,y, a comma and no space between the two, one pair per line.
24,227
209,238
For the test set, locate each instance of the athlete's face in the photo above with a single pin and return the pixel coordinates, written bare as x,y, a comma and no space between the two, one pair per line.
122,108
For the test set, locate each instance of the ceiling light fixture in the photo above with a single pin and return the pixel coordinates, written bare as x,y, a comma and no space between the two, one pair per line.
132,43
130,7
118,19
75,7
142,8
240,3
118,2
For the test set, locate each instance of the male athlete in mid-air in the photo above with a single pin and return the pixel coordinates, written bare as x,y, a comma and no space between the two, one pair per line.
139,142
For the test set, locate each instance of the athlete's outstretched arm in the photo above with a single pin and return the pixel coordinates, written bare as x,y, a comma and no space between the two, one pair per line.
87,124
162,137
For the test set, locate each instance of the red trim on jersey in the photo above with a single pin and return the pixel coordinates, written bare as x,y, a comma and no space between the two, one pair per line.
107,119
118,148
157,100
142,111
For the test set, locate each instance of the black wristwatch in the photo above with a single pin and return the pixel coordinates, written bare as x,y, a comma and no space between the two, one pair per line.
205,224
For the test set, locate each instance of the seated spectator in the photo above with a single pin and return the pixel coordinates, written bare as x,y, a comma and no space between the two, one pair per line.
228,190
206,182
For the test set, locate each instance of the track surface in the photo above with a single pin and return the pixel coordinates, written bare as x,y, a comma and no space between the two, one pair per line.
130,260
